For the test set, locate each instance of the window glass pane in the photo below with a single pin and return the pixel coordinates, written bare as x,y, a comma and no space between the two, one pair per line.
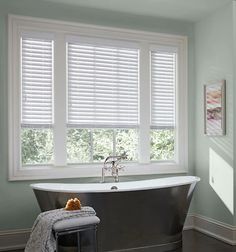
162,144
94,145
36,146
102,144
127,141
78,146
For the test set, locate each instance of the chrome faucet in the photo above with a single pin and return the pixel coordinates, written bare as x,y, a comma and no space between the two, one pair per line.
112,163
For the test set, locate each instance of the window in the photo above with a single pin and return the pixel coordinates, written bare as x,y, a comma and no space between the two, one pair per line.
163,85
36,99
102,115
86,92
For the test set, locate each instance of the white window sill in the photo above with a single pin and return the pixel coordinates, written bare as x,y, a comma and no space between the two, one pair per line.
91,170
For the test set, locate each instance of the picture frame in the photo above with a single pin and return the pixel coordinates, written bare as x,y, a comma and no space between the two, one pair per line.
214,108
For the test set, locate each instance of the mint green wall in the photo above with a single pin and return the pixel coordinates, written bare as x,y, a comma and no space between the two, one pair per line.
213,56
18,204
213,61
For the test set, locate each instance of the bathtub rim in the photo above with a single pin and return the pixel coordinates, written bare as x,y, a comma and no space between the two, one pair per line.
106,187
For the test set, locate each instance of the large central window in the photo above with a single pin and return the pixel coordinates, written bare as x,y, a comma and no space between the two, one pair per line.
103,88
88,93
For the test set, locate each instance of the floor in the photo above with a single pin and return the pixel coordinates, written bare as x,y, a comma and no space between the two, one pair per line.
194,241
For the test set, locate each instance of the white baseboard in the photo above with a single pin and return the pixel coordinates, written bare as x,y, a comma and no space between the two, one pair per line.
13,239
211,227
16,239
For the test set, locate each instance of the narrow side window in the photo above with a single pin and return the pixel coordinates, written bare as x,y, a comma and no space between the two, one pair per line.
163,104
36,100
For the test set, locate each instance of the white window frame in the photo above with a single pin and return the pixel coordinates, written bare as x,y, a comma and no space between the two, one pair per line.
146,40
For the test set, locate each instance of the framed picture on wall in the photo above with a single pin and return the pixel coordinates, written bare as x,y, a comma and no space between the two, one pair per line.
214,108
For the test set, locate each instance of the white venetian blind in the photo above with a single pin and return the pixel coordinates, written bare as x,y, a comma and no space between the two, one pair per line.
37,81
163,83
102,86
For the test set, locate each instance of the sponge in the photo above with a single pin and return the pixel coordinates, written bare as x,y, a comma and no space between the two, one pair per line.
73,204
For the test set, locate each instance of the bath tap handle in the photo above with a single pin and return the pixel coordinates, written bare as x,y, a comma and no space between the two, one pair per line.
121,168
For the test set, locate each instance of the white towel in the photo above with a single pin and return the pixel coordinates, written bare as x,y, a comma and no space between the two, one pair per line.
42,238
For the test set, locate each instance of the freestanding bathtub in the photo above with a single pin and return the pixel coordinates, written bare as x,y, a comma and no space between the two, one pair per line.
146,215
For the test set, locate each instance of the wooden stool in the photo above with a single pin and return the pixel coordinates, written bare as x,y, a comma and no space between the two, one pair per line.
77,226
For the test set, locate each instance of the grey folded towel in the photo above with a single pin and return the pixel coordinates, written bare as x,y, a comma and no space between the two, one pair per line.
42,238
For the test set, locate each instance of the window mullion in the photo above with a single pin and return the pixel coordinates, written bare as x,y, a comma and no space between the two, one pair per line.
60,104
144,104
114,132
91,131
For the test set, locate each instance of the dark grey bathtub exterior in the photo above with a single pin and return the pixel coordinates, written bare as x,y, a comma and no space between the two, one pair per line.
142,220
